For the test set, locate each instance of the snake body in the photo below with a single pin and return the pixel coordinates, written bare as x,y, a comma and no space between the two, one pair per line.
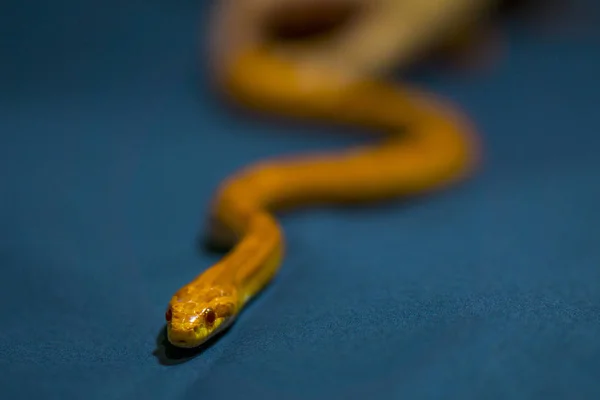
427,145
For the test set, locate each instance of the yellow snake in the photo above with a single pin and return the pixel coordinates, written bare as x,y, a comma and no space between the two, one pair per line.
428,145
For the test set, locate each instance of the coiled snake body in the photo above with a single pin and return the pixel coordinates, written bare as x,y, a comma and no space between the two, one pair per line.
429,146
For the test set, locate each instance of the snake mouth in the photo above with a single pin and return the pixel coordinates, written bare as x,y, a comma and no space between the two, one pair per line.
310,20
188,339
197,337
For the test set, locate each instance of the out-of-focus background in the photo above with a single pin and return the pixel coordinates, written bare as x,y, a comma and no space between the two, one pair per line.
113,140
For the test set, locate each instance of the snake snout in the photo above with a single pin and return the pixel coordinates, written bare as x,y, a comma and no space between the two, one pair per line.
184,337
184,341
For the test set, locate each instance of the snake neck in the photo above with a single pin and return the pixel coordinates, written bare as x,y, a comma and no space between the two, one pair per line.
255,245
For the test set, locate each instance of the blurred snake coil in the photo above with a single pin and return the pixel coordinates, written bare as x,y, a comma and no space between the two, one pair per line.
426,146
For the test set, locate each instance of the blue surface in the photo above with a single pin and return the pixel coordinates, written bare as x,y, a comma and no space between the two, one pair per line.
112,144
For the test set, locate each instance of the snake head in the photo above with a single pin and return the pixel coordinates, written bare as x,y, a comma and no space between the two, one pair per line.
195,315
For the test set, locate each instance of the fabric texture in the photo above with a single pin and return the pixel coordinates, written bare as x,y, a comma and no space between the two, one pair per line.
112,144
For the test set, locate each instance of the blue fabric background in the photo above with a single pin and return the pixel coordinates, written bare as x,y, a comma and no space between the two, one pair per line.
112,145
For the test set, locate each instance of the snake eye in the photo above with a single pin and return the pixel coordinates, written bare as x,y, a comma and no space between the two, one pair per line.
169,315
210,316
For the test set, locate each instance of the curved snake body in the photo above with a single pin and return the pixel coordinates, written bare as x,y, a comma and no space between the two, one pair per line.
428,145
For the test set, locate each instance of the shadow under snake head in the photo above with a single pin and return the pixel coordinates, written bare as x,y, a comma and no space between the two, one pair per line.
196,315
